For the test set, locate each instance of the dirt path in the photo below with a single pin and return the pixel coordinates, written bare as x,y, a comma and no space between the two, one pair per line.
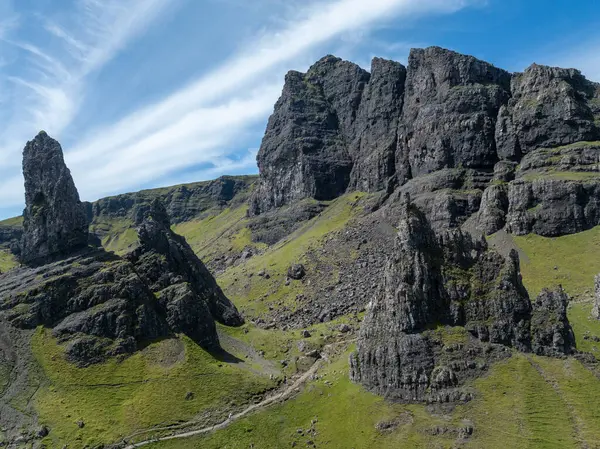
283,395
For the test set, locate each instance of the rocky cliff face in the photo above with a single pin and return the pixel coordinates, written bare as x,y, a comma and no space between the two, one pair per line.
98,304
596,307
550,328
450,110
169,266
549,107
304,152
54,221
466,139
448,307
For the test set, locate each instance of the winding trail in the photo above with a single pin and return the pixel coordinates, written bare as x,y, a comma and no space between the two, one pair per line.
283,395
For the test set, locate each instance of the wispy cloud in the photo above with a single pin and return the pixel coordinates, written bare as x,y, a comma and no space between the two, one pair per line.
52,89
202,123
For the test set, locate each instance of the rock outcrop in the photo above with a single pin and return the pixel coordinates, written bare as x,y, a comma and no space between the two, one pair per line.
320,127
164,260
551,332
376,137
596,306
304,152
54,220
514,151
450,110
98,304
549,107
448,307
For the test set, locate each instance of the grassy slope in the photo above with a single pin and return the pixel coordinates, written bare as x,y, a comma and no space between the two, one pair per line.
219,232
254,294
524,402
7,261
516,406
116,399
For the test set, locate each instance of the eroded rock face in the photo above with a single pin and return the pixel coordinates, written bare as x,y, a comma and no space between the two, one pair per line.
549,107
376,136
333,127
514,151
450,110
303,153
95,302
163,260
54,223
98,304
551,332
596,307
438,280
449,306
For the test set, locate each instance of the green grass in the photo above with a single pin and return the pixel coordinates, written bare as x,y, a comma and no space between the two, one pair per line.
576,258
253,293
580,316
562,175
221,232
7,261
345,414
117,235
580,389
115,399
12,222
516,408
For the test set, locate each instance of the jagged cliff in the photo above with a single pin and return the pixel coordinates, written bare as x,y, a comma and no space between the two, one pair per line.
97,303
510,150
54,221
448,307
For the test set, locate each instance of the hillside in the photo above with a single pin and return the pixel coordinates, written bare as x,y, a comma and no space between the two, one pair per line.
414,267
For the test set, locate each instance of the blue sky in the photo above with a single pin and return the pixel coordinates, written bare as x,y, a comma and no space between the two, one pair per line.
146,93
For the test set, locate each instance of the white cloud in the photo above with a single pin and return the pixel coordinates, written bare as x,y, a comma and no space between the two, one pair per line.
50,93
199,124
56,86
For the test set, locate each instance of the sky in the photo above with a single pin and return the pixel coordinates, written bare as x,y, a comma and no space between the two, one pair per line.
149,93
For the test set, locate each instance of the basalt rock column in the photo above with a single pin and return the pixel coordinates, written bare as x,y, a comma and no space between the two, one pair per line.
54,222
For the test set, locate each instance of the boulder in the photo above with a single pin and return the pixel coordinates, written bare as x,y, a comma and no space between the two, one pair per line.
296,271
551,332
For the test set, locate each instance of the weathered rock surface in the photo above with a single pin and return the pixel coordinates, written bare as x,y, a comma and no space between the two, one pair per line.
551,332
164,259
183,202
549,107
596,307
54,220
95,302
303,153
448,118
450,110
376,136
449,306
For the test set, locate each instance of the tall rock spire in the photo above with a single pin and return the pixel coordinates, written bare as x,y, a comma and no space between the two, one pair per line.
54,218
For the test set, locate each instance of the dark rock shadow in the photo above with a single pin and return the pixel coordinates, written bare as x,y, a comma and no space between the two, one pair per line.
223,356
